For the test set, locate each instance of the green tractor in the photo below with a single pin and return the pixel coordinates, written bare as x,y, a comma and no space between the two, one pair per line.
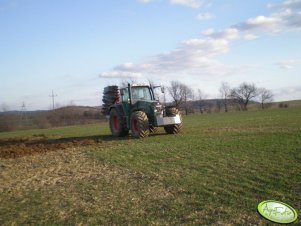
135,108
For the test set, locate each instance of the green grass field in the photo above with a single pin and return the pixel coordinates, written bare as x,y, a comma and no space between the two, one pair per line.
215,172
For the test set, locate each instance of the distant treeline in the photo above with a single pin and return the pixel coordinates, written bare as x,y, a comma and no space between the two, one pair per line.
75,115
65,116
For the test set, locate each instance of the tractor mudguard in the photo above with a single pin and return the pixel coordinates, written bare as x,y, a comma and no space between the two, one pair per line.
136,109
118,108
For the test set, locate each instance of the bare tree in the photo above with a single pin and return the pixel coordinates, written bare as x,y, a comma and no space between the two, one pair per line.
189,98
180,94
176,92
243,94
265,97
201,95
225,92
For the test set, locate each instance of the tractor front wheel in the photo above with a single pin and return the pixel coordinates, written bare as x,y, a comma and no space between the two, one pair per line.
139,124
153,129
176,128
116,124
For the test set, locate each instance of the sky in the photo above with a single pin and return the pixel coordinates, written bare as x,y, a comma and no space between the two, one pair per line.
77,47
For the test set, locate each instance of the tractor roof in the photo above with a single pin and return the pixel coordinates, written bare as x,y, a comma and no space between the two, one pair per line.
137,85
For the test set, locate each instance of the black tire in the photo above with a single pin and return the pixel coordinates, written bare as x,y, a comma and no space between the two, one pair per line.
110,89
176,128
139,124
110,96
153,129
117,124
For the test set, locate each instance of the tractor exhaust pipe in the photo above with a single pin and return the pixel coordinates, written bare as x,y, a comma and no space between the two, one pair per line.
130,93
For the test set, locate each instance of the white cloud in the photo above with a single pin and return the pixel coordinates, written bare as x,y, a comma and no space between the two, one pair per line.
295,4
120,74
188,3
131,67
261,23
285,16
289,64
250,37
228,34
191,57
289,12
208,31
204,16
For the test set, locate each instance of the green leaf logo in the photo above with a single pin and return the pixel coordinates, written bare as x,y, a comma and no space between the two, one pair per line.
278,212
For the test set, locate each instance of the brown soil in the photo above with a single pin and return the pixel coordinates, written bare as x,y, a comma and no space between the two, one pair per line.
38,171
71,188
18,147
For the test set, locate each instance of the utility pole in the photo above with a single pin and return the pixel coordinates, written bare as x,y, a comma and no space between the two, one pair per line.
53,96
23,119
23,110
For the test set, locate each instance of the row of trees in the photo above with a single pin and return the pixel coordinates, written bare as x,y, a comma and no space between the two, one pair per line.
243,94
238,97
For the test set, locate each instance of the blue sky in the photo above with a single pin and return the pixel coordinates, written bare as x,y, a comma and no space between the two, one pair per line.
77,47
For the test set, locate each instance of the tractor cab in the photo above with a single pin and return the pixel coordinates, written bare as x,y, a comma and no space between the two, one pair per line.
134,93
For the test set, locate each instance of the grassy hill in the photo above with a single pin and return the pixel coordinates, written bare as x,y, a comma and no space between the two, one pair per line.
290,103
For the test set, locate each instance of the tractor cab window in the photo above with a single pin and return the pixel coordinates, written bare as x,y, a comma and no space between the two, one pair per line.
125,96
141,93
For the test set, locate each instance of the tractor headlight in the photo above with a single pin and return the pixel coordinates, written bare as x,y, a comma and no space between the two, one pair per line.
158,108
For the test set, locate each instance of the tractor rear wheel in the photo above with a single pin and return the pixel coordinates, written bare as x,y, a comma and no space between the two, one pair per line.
176,128
117,125
139,124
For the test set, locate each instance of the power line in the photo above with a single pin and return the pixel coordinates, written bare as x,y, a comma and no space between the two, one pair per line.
53,96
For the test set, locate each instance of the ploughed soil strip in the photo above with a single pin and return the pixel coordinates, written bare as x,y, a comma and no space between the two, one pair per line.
22,146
